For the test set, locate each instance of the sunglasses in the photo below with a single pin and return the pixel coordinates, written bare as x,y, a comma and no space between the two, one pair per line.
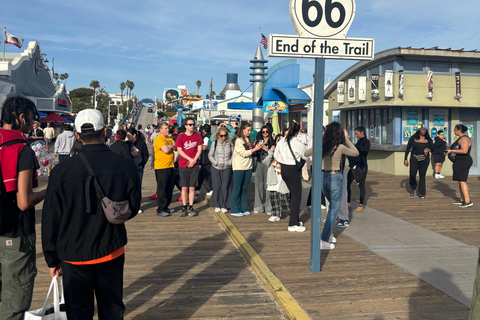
190,124
223,135
264,131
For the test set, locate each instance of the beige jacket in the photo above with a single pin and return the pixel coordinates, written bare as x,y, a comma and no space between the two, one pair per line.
242,158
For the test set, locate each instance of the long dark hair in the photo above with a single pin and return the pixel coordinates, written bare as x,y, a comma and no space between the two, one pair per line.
12,109
270,141
332,138
416,136
293,130
138,134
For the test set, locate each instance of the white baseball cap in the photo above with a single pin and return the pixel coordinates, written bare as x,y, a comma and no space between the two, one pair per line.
89,116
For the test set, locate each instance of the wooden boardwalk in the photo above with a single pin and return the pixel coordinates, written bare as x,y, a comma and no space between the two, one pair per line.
187,268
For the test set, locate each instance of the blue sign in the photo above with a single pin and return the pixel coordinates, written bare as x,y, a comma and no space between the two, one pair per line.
243,105
210,105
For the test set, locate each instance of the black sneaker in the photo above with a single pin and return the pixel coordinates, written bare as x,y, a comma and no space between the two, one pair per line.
192,213
458,203
412,193
466,205
184,212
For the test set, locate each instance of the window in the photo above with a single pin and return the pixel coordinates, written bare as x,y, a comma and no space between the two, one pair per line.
440,66
374,70
416,66
387,66
469,68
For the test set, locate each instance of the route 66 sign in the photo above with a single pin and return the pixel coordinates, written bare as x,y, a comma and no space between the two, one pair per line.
322,18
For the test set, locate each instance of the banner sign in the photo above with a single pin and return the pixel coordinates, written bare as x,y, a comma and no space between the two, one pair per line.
389,84
362,88
430,84
374,84
326,48
351,90
458,85
242,105
412,116
341,92
400,84
272,106
407,133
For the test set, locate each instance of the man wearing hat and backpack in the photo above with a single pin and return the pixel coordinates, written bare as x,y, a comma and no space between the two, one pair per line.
77,238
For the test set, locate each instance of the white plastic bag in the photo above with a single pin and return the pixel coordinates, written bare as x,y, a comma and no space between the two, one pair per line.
50,311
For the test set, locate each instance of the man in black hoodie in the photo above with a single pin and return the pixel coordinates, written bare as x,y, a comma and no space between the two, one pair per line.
86,247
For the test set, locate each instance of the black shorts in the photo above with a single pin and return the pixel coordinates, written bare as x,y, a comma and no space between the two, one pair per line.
188,176
438,158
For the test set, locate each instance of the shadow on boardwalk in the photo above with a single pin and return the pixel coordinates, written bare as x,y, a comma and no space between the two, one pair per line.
217,272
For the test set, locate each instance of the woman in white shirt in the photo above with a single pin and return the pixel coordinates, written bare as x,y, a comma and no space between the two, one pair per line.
288,152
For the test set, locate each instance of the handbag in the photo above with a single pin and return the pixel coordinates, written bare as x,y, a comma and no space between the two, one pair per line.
50,311
298,164
359,173
420,157
451,156
116,212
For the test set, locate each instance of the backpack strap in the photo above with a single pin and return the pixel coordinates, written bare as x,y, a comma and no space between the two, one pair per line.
98,189
12,142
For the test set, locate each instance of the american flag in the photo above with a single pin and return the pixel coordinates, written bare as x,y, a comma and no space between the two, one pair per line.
264,41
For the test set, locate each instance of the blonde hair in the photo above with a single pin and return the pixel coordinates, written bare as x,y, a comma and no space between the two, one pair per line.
217,135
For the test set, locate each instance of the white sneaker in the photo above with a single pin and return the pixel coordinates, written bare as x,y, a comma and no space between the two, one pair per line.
273,219
218,209
297,228
209,194
332,239
140,211
224,210
440,176
269,213
437,176
323,207
326,246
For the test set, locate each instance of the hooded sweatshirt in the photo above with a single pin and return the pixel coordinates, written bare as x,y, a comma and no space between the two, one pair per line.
64,142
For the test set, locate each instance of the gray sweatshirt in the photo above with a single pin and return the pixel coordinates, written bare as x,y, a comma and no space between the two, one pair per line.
64,142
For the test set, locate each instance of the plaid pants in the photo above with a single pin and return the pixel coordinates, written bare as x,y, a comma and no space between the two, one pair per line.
279,201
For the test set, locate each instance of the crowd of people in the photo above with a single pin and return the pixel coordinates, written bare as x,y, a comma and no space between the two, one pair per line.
82,243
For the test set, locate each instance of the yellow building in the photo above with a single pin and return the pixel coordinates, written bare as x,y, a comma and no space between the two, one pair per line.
402,88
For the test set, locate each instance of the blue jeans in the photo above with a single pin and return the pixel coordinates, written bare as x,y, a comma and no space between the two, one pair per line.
140,174
239,201
332,189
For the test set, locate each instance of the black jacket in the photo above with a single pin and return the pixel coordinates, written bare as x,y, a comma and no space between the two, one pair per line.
123,148
68,232
142,157
363,147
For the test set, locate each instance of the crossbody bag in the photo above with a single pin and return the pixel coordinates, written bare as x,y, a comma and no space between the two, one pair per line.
116,212
298,164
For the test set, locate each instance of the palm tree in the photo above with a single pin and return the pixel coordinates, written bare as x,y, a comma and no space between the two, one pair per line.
130,85
122,87
95,84
199,84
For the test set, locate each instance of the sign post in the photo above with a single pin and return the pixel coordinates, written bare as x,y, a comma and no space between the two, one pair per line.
321,27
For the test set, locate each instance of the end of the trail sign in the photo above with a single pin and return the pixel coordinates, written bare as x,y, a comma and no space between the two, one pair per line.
326,48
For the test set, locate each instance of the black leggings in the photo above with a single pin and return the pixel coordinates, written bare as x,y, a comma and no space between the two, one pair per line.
420,167
362,187
293,180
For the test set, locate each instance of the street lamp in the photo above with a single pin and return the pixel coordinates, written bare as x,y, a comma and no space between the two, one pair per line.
111,103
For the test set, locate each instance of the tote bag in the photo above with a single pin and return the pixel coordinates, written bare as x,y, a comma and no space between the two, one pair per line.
50,311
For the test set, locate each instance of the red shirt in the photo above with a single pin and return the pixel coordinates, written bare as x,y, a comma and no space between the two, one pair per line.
189,145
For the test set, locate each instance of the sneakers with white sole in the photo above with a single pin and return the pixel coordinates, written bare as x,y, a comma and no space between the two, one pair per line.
466,205
218,209
224,210
274,218
296,228
332,239
326,246
239,214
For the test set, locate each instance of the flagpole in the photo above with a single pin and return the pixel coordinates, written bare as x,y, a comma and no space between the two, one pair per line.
4,37
259,35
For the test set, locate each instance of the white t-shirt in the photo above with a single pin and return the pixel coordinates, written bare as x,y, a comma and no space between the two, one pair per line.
48,132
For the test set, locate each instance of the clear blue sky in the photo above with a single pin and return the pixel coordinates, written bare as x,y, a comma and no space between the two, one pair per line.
158,44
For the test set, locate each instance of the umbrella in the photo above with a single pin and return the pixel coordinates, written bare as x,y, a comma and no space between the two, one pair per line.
276,128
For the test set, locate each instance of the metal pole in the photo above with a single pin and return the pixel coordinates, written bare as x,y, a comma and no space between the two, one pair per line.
4,37
317,166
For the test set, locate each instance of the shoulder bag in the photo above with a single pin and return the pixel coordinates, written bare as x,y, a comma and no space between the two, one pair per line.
298,164
116,212
50,311
452,155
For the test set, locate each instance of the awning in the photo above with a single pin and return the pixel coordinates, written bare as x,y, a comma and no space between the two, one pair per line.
68,118
293,95
42,115
53,117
